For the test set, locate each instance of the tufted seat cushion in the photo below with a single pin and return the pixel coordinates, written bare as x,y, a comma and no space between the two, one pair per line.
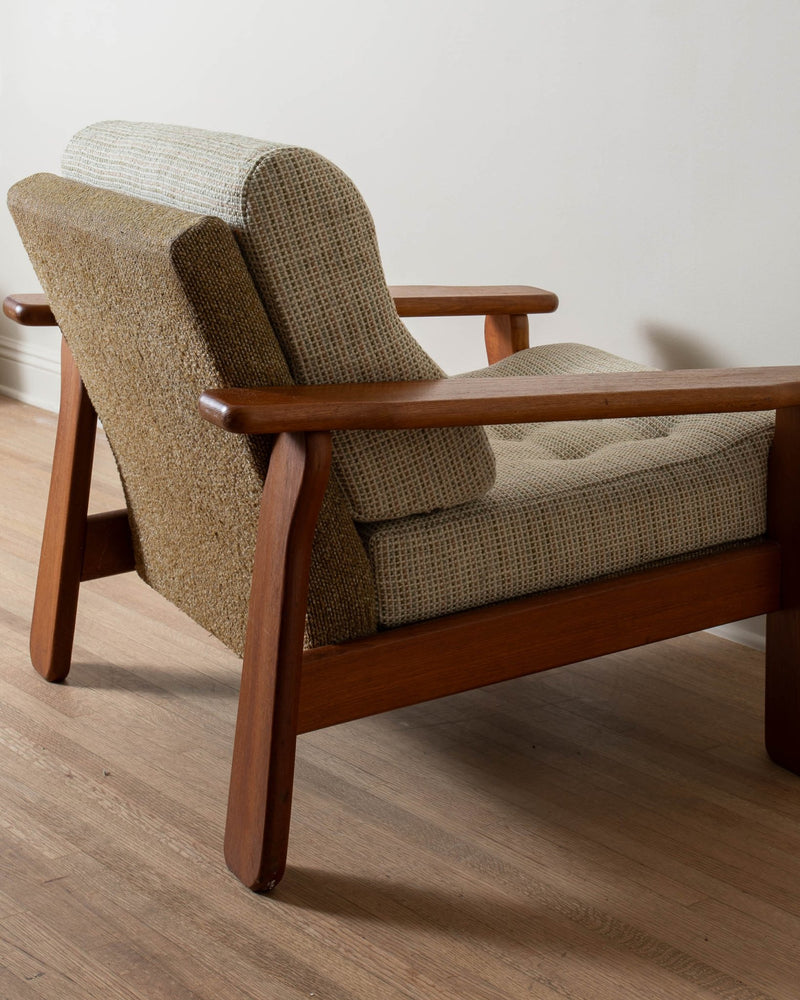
575,501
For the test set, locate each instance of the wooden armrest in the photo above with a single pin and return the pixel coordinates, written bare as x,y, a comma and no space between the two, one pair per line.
410,300
29,310
464,300
461,402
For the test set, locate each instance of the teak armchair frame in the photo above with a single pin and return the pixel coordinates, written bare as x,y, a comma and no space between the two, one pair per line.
286,691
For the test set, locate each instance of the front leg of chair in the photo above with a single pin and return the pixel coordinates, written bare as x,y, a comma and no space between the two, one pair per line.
58,582
260,798
782,715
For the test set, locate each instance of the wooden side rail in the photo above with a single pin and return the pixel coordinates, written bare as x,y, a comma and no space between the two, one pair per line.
460,402
535,633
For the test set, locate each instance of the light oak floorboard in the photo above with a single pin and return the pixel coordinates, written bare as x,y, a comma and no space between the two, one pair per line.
605,831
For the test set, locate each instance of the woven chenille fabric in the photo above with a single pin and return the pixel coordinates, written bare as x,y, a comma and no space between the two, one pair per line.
575,501
156,305
309,242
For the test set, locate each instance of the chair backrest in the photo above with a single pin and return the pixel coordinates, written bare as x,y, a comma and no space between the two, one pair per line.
157,304
309,243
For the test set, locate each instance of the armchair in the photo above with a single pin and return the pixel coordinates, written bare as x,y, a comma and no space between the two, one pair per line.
339,516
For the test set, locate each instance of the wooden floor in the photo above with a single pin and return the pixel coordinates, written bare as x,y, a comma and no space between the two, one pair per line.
608,830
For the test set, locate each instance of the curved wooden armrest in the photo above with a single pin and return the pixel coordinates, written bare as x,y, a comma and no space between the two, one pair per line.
462,402
30,310
466,300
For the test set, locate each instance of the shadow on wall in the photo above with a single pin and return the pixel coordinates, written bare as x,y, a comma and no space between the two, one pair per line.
672,347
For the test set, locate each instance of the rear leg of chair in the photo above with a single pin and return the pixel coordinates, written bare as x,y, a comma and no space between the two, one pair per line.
782,714
58,582
262,773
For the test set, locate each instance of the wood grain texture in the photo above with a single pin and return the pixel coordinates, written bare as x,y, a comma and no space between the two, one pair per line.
611,830
459,402
782,711
61,560
505,335
473,648
29,310
260,797
475,300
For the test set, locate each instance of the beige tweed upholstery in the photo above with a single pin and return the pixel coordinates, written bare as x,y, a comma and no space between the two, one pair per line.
309,242
157,305
575,501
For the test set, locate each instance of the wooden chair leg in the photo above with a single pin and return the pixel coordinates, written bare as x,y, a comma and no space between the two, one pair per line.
260,797
505,335
58,582
782,710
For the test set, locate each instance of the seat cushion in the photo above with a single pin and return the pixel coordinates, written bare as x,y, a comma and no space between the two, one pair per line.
309,242
576,501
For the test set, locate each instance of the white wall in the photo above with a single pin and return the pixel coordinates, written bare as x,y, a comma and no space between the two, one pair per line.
639,157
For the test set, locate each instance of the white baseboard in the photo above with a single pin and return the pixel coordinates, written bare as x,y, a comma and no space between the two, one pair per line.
30,372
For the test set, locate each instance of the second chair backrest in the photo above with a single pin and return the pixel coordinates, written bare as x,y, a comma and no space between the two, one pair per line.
309,243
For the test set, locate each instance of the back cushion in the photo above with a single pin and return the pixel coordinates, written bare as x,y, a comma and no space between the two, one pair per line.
156,305
309,242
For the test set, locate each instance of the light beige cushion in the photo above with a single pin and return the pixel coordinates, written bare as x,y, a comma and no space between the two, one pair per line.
309,242
575,501
157,305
